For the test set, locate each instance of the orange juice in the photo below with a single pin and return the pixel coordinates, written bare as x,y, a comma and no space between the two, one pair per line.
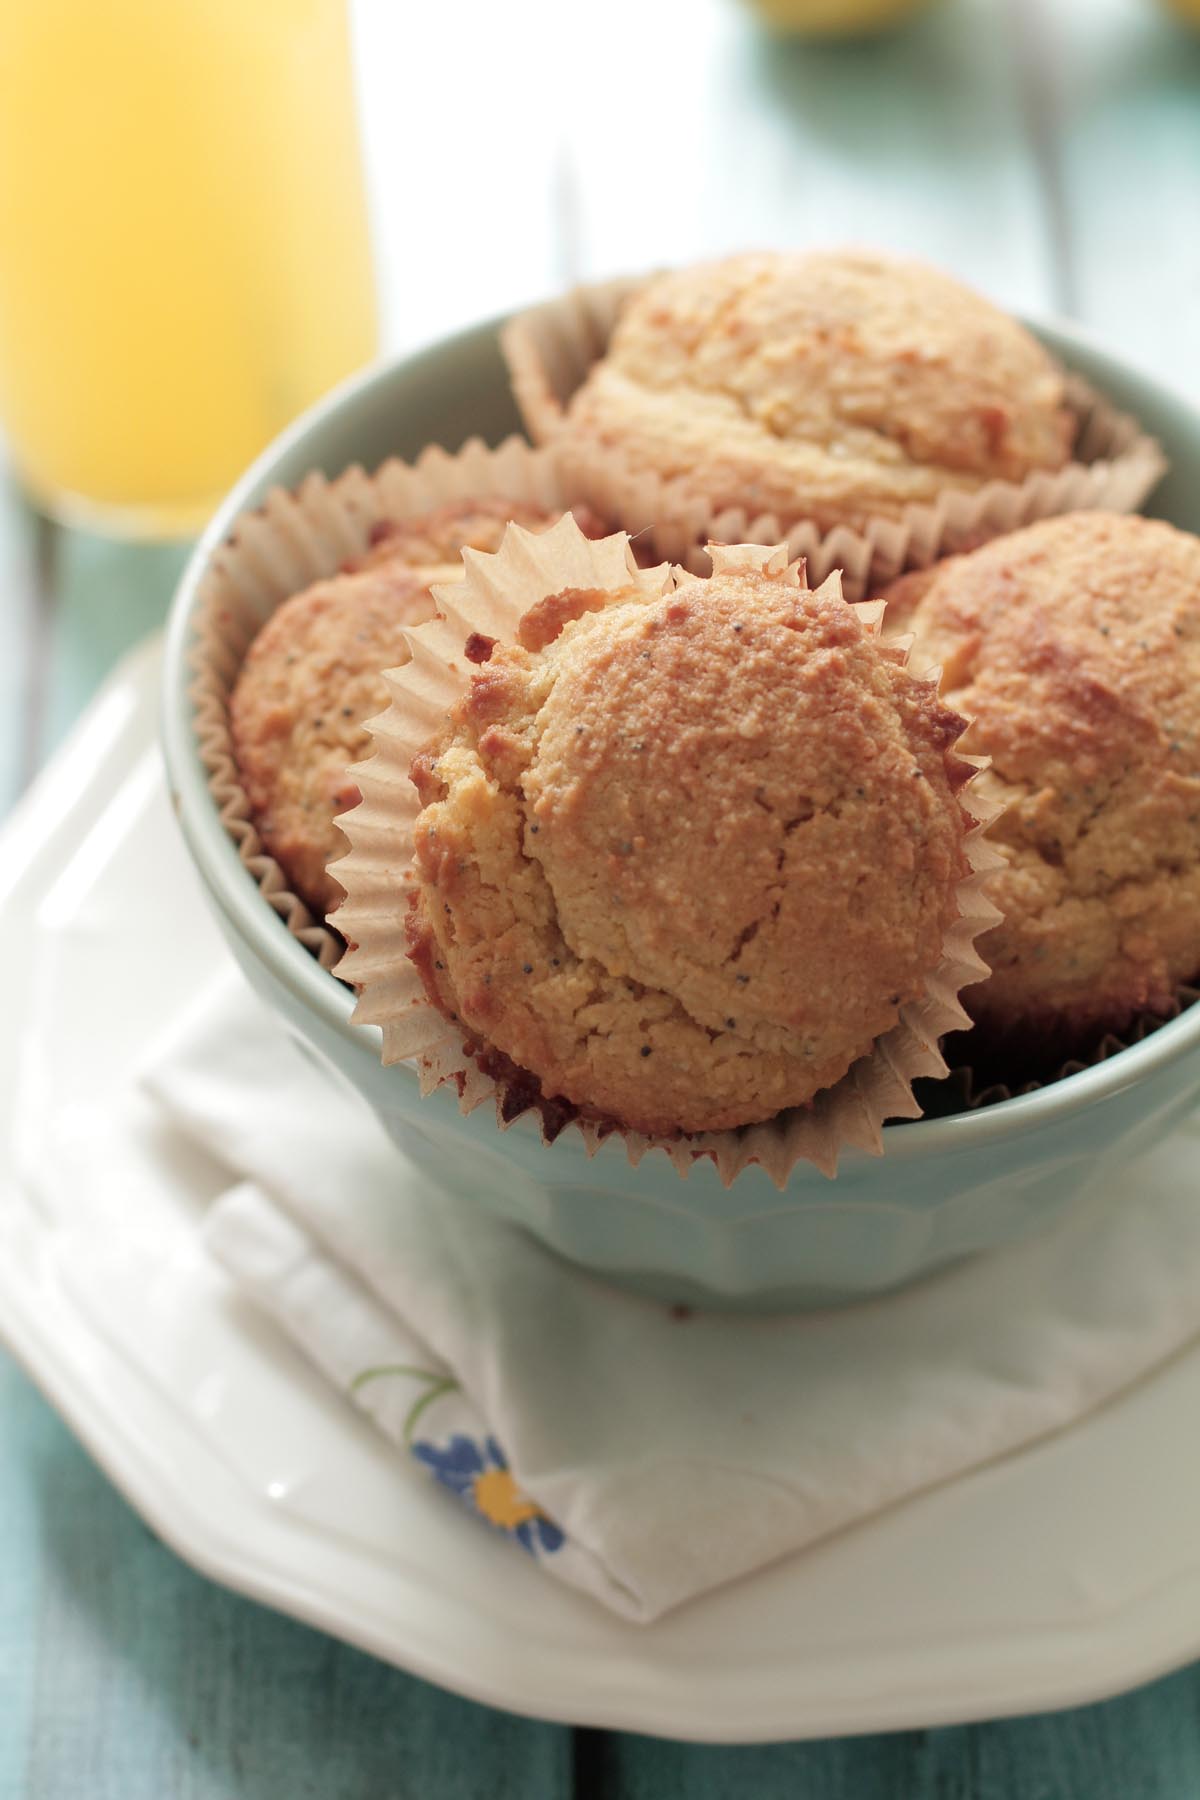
184,258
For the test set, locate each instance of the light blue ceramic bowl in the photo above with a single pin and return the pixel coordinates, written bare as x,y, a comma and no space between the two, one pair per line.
942,1189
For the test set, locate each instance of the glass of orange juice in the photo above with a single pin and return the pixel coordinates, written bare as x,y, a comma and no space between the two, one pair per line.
184,254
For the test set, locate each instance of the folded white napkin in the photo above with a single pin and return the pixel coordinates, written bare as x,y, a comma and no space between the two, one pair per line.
641,1453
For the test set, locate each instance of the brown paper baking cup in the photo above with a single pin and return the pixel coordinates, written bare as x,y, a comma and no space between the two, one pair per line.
550,349
283,546
378,877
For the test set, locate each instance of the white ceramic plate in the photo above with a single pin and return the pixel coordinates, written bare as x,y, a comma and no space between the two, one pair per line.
1057,1576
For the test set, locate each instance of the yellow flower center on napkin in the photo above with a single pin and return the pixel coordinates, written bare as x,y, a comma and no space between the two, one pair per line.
499,1499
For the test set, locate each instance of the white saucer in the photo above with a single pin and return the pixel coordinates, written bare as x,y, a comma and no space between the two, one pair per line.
1055,1577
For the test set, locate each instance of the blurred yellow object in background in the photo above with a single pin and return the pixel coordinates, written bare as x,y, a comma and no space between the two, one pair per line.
1185,9
184,255
834,18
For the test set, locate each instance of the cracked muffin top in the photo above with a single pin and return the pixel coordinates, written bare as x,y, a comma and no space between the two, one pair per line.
1074,646
832,386
314,675
685,858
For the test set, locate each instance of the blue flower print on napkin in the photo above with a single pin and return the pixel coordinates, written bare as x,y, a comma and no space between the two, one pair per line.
479,1474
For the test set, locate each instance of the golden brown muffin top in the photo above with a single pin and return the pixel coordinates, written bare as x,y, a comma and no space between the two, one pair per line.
1074,646
831,385
686,859
314,675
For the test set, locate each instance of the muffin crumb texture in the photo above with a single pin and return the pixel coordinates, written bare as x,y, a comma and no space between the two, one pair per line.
685,858
831,386
314,676
1074,647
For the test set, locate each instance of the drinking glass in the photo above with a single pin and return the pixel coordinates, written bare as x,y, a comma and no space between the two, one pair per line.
184,254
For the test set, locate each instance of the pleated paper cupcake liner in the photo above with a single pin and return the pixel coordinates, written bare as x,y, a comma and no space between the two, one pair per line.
550,349
282,547
975,1083
378,877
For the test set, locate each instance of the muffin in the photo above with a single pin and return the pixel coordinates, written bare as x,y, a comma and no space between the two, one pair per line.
1074,647
903,596
684,856
314,675
835,387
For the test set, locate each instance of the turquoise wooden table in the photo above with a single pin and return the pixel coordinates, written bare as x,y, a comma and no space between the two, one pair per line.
1047,149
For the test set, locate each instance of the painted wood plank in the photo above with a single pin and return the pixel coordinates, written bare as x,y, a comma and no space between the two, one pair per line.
567,145
18,1582
892,1767
697,131
1123,78
461,113
22,623
125,1676
107,597
1143,1746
